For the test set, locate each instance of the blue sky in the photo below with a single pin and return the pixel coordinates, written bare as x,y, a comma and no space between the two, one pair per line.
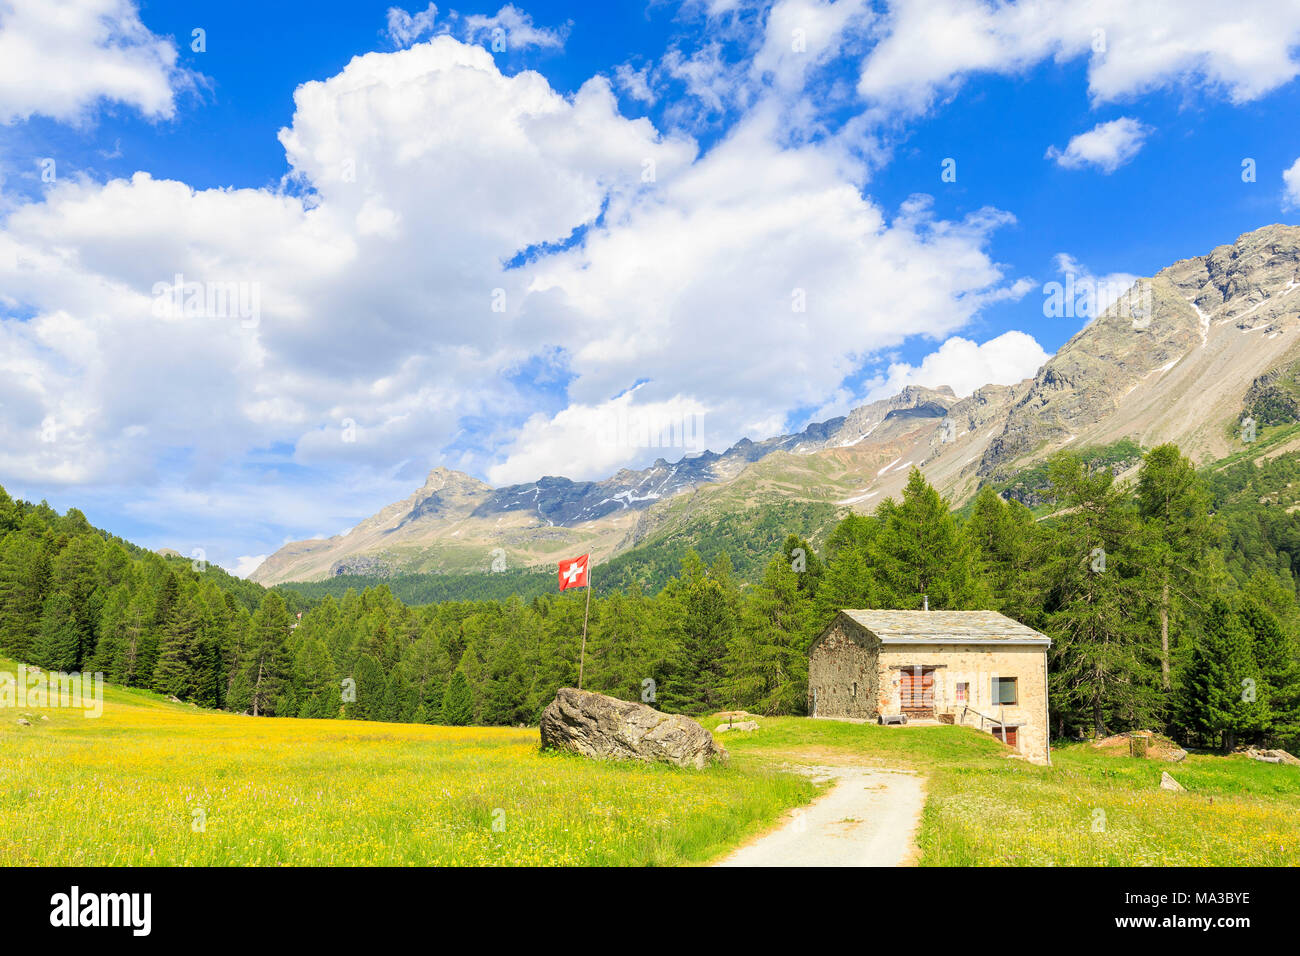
454,260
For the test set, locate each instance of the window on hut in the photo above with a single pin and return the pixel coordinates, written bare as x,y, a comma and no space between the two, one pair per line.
1004,690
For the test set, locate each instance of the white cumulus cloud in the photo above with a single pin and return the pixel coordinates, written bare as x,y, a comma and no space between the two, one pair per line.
1107,146
927,48
1291,186
376,297
1082,293
592,441
476,270
247,564
61,59
405,28
513,28
965,365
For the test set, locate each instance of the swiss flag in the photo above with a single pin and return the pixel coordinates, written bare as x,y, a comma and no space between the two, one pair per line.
573,573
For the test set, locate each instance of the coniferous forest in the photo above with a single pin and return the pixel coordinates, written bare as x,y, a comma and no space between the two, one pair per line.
1170,600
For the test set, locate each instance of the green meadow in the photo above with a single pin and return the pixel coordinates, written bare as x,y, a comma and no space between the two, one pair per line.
154,782
1092,807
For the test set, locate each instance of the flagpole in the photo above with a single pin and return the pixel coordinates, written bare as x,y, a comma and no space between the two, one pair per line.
582,660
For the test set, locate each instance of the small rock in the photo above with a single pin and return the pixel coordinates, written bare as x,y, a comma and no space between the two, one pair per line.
1169,783
743,725
736,715
43,717
1273,756
24,722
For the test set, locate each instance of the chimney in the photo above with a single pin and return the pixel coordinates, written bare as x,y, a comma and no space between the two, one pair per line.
926,599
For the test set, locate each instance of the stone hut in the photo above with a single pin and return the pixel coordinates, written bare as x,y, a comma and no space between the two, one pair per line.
976,668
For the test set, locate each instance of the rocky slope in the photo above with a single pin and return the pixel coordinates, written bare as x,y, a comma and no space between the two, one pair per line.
1176,363
1217,322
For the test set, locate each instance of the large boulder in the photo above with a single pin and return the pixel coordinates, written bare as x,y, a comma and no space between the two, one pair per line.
594,725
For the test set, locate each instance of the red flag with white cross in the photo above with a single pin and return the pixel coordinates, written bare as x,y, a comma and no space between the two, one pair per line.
573,573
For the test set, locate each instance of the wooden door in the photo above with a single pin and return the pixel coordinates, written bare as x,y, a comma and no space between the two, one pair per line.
1011,735
916,691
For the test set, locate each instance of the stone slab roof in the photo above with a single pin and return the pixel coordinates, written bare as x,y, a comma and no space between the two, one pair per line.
945,627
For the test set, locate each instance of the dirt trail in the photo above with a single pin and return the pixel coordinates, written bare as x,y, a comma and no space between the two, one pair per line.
868,818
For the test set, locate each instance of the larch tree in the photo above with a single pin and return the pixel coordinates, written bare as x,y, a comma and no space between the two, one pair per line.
1180,534
920,553
1103,666
266,661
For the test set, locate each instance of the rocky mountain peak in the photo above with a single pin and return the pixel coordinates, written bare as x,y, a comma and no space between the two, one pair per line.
451,481
1174,364
1199,309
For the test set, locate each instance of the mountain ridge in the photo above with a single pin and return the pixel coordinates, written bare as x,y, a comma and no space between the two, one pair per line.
1169,363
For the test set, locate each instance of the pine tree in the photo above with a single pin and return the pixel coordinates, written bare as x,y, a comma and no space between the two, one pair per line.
314,679
1003,537
1220,692
58,641
74,571
236,694
432,703
706,615
847,580
110,629
506,699
368,685
176,672
218,611
458,702
1278,664
9,515
24,584
129,657
920,552
391,704
767,660
165,589
803,561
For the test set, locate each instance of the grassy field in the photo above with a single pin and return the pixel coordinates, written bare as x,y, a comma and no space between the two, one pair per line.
152,782
1091,808
134,785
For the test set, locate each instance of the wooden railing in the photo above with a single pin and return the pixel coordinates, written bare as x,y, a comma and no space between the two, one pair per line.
999,722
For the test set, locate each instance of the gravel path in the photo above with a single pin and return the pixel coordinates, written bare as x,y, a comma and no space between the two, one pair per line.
868,818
